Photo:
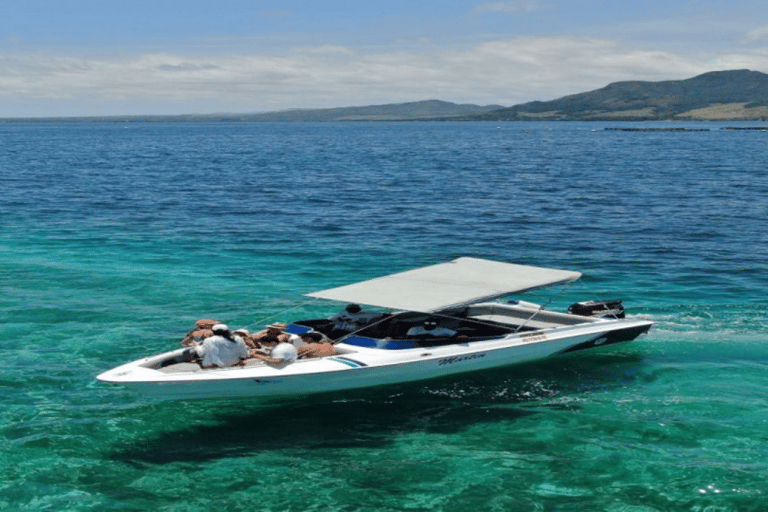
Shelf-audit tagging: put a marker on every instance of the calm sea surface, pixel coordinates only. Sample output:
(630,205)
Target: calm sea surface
(115,237)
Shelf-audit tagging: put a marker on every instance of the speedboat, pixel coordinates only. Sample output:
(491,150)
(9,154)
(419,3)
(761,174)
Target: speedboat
(478,330)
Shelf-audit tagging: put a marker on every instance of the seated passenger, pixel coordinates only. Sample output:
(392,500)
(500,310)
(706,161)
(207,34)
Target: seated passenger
(201,331)
(222,349)
(266,344)
(430,328)
(315,346)
(352,318)
(280,356)
(273,330)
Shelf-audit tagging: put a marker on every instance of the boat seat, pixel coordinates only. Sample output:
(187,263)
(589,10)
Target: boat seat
(540,319)
(180,367)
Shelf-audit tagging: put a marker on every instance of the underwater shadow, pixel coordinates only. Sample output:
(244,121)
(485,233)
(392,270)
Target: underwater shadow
(375,417)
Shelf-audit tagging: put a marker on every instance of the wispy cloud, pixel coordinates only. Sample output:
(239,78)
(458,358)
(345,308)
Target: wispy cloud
(323,50)
(187,66)
(757,35)
(506,71)
(515,7)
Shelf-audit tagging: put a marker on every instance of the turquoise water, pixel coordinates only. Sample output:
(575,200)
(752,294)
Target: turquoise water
(115,237)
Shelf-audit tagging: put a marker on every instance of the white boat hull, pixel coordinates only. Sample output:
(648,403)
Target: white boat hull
(359,367)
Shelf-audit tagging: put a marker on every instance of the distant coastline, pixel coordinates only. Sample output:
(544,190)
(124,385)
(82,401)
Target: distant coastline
(737,95)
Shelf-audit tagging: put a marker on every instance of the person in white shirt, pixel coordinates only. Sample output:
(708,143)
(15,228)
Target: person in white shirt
(430,328)
(222,349)
(280,356)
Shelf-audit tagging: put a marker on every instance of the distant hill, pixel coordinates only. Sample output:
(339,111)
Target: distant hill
(430,109)
(719,95)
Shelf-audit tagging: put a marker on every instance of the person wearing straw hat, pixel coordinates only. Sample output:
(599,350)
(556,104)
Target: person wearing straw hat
(256,340)
(201,331)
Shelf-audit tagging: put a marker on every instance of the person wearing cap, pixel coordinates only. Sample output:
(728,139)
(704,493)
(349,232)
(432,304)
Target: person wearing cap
(351,319)
(430,328)
(222,349)
(242,333)
(315,345)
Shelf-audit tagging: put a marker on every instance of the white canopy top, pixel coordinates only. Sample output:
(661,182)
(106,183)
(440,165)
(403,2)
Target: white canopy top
(455,283)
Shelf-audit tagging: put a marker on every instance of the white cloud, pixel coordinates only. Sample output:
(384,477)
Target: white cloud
(757,35)
(323,50)
(506,71)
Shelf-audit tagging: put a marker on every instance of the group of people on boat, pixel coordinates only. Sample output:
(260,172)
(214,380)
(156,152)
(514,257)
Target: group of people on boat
(213,345)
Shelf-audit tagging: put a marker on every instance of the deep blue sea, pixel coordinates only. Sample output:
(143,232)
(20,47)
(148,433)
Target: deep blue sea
(115,237)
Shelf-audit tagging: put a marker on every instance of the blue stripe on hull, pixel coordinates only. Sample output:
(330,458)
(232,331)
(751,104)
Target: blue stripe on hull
(347,361)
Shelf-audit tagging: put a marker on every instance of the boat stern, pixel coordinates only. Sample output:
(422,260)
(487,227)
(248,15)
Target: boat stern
(624,331)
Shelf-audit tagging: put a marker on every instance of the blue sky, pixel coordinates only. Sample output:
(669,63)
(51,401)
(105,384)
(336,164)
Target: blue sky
(87,57)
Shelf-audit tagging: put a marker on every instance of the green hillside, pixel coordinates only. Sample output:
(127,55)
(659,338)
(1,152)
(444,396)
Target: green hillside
(740,94)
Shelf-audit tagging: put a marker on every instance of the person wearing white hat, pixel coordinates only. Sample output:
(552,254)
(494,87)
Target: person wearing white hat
(222,349)
(242,334)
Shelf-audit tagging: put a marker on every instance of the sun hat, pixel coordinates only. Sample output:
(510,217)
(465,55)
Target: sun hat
(206,323)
